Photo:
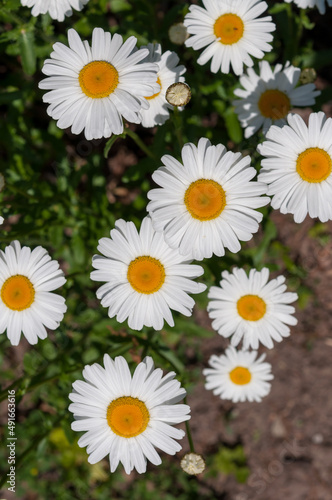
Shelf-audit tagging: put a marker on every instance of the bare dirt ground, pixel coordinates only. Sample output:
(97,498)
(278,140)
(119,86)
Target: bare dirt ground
(288,437)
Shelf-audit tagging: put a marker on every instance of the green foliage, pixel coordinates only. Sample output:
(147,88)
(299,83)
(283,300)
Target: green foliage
(230,461)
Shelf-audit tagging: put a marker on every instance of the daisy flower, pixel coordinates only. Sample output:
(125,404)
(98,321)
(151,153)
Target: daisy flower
(320,4)
(145,278)
(232,32)
(251,308)
(26,304)
(91,89)
(267,98)
(57,9)
(128,416)
(1,219)
(168,74)
(208,203)
(298,166)
(238,375)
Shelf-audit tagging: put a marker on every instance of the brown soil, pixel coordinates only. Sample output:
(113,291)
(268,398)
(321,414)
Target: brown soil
(287,437)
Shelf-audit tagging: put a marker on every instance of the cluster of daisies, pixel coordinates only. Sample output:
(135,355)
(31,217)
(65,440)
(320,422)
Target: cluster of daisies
(92,89)
(203,205)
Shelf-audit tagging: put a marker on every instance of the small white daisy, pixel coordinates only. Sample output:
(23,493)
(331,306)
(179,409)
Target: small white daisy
(128,416)
(208,203)
(239,376)
(320,4)
(251,307)
(145,278)
(168,74)
(26,304)
(91,89)
(1,219)
(267,98)
(57,9)
(232,31)
(298,167)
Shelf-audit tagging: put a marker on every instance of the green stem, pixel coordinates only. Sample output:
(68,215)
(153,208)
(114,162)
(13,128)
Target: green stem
(190,439)
(149,338)
(177,122)
(290,38)
(140,143)
(22,193)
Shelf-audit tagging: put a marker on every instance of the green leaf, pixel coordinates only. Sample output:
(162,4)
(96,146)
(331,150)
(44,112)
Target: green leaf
(169,356)
(233,126)
(27,51)
(270,233)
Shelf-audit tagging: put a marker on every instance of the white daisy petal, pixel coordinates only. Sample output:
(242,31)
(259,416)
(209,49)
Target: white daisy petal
(238,376)
(91,89)
(305,4)
(298,167)
(169,72)
(212,200)
(245,306)
(267,97)
(231,31)
(146,278)
(26,304)
(129,425)
(57,9)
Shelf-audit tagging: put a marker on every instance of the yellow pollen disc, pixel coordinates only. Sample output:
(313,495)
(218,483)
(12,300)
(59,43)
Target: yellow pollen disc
(98,79)
(17,293)
(205,199)
(155,95)
(314,165)
(229,28)
(240,375)
(251,307)
(146,274)
(274,104)
(127,416)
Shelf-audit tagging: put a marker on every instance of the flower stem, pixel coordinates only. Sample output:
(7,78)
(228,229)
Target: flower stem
(139,143)
(177,122)
(190,439)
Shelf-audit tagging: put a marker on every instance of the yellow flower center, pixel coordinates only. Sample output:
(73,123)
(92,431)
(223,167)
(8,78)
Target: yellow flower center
(98,79)
(146,274)
(17,293)
(274,104)
(205,199)
(251,307)
(155,95)
(314,165)
(240,375)
(229,28)
(127,416)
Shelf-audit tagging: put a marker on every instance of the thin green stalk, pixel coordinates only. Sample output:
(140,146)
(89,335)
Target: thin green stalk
(177,122)
(149,338)
(140,143)
(190,439)
(289,52)
(17,190)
